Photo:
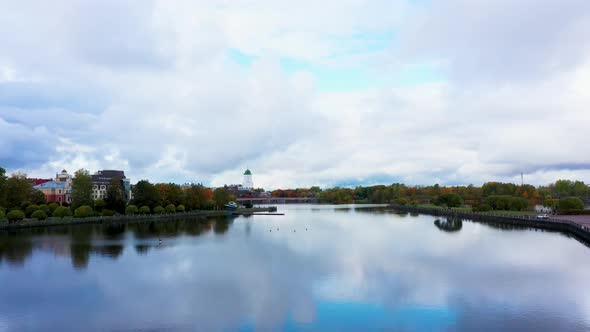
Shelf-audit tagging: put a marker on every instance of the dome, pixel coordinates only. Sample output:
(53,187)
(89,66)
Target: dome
(247,172)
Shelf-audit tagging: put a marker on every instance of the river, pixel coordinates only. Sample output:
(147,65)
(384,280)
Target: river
(317,268)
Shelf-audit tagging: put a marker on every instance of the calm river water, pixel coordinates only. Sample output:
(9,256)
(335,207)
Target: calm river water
(318,268)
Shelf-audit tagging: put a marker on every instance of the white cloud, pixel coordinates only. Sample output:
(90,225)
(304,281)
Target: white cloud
(150,87)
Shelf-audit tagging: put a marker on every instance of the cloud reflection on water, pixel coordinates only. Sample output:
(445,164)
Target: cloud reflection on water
(349,269)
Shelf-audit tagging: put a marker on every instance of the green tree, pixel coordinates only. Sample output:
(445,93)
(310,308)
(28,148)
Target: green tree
(37,197)
(220,197)
(107,213)
(144,209)
(144,193)
(180,208)
(450,200)
(131,209)
(39,214)
(115,199)
(82,189)
(30,209)
(170,208)
(18,190)
(83,211)
(99,205)
(570,204)
(62,212)
(3,179)
(15,215)
(159,210)
(52,207)
(518,204)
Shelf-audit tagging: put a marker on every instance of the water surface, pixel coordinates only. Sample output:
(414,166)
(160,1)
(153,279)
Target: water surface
(318,268)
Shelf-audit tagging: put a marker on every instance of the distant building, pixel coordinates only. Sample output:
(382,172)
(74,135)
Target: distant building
(58,190)
(101,181)
(247,183)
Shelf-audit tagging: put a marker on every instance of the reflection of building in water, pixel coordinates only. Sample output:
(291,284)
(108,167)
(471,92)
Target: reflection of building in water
(58,190)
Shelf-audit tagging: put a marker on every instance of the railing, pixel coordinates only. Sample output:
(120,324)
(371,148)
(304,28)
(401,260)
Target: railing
(498,217)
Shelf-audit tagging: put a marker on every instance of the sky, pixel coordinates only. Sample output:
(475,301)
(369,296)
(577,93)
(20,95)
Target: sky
(329,93)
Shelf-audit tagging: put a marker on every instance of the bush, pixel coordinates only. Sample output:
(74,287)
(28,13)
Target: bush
(158,210)
(107,213)
(61,212)
(131,209)
(180,208)
(44,208)
(144,209)
(449,199)
(401,201)
(15,215)
(83,211)
(30,209)
(52,207)
(170,208)
(39,214)
(570,204)
(499,202)
(2,214)
(518,204)
(481,208)
(99,204)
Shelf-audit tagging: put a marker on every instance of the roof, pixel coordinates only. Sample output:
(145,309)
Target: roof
(247,172)
(50,185)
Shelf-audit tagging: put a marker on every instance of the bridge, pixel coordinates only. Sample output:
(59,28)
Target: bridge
(277,200)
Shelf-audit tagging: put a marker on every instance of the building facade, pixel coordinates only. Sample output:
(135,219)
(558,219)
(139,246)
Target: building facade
(58,190)
(101,181)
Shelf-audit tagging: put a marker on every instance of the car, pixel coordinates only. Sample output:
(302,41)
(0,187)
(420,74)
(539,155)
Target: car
(542,216)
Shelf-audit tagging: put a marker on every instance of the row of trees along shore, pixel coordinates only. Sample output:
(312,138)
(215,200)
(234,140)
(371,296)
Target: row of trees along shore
(563,196)
(18,199)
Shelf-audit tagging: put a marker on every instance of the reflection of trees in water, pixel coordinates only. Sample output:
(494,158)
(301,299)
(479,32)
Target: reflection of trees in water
(80,254)
(15,249)
(142,249)
(449,224)
(221,226)
(81,242)
(115,232)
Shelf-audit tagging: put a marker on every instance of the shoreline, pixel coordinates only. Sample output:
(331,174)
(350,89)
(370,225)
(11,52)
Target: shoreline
(565,226)
(131,219)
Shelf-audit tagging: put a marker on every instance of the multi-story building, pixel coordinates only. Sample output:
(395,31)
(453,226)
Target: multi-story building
(58,190)
(101,181)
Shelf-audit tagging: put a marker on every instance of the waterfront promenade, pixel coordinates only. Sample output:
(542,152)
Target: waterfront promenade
(131,219)
(577,225)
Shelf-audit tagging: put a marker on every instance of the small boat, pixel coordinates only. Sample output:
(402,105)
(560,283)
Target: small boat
(231,206)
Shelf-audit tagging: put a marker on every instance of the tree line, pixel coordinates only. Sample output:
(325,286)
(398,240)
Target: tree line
(18,199)
(563,195)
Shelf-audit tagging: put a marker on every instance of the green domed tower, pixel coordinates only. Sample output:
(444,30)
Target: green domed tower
(248,184)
